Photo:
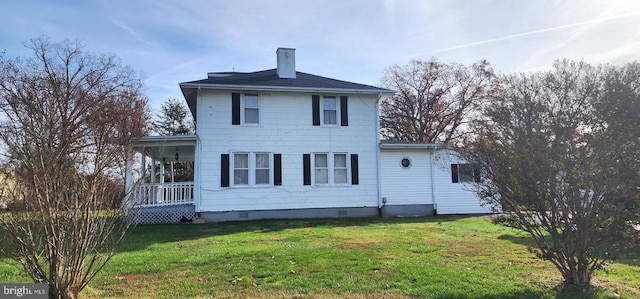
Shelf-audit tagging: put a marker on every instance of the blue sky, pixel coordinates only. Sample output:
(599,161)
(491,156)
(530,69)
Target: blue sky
(172,41)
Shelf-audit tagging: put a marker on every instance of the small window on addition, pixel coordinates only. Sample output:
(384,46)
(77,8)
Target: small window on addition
(405,162)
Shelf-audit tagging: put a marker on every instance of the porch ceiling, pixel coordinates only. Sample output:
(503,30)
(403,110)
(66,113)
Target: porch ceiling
(168,147)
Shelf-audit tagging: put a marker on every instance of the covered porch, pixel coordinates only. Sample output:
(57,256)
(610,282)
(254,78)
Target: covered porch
(160,179)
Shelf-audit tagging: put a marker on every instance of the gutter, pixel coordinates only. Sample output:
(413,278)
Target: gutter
(412,146)
(284,88)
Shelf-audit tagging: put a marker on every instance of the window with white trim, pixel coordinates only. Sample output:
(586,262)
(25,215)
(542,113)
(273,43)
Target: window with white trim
(252,169)
(262,169)
(329,110)
(330,169)
(321,169)
(241,169)
(464,173)
(340,169)
(251,109)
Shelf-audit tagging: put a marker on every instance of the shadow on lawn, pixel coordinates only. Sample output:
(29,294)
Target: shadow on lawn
(558,292)
(142,236)
(630,256)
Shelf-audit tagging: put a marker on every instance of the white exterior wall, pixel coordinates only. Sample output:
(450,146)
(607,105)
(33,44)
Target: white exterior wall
(285,128)
(405,186)
(453,198)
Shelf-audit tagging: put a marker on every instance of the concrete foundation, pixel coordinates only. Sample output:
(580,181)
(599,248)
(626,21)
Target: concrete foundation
(407,210)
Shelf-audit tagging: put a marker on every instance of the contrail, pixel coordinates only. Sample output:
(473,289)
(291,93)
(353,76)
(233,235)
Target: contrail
(492,40)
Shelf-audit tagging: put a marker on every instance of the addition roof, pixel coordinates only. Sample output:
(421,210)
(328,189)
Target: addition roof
(268,80)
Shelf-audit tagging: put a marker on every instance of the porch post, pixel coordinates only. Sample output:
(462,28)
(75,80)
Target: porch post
(128,175)
(152,179)
(161,172)
(128,179)
(144,167)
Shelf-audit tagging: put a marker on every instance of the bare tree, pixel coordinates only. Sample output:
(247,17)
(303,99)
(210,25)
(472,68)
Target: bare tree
(551,154)
(69,117)
(433,101)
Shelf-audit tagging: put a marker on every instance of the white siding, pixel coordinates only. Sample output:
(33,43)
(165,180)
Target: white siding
(285,128)
(453,198)
(405,186)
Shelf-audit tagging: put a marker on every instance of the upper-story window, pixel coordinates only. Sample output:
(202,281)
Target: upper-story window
(329,110)
(251,108)
(245,109)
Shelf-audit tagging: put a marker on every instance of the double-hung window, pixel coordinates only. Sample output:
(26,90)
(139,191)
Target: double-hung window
(340,169)
(262,169)
(251,169)
(251,108)
(330,169)
(245,110)
(241,169)
(321,172)
(246,169)
(329,110)
(464,173)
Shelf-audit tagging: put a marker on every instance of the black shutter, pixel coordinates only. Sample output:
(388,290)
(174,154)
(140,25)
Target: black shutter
(277,169)
(355,180)
(224,170)
(235,108)
(344,113)
(306,167)
(454,173)
(315,100)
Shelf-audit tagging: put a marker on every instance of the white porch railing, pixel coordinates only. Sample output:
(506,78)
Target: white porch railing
(163,194)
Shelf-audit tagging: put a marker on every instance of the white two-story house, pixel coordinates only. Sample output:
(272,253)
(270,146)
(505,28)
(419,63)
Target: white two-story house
(280,143)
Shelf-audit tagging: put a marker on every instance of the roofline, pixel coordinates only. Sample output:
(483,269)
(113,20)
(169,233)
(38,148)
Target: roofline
(412,146)
(171,140)
(285,88)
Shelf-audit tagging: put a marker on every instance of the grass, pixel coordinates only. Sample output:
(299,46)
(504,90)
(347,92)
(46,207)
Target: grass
(440,257)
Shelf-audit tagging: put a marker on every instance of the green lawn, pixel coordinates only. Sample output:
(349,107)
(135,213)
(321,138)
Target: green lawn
(438,257)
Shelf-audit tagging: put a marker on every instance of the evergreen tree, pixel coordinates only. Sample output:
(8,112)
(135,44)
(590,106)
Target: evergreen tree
(175,119)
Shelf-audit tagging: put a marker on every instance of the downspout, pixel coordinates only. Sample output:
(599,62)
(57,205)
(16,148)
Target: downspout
(197,196)
(378,170)
(433,185)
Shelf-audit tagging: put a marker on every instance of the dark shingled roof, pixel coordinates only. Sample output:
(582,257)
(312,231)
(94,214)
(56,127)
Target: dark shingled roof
(269,78)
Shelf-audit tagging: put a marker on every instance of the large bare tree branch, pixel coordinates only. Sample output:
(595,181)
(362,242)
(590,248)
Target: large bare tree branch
(433,101)
(68,119)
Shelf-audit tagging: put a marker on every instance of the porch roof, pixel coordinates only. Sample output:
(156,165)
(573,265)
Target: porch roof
(168,148)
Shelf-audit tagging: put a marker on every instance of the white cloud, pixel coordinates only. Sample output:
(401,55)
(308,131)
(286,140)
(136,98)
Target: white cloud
(175,41)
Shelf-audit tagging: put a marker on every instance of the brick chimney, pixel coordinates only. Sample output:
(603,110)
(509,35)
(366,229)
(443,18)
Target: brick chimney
(286,63)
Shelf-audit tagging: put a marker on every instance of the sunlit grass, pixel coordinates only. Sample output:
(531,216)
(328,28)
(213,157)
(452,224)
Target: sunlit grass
(441,257)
